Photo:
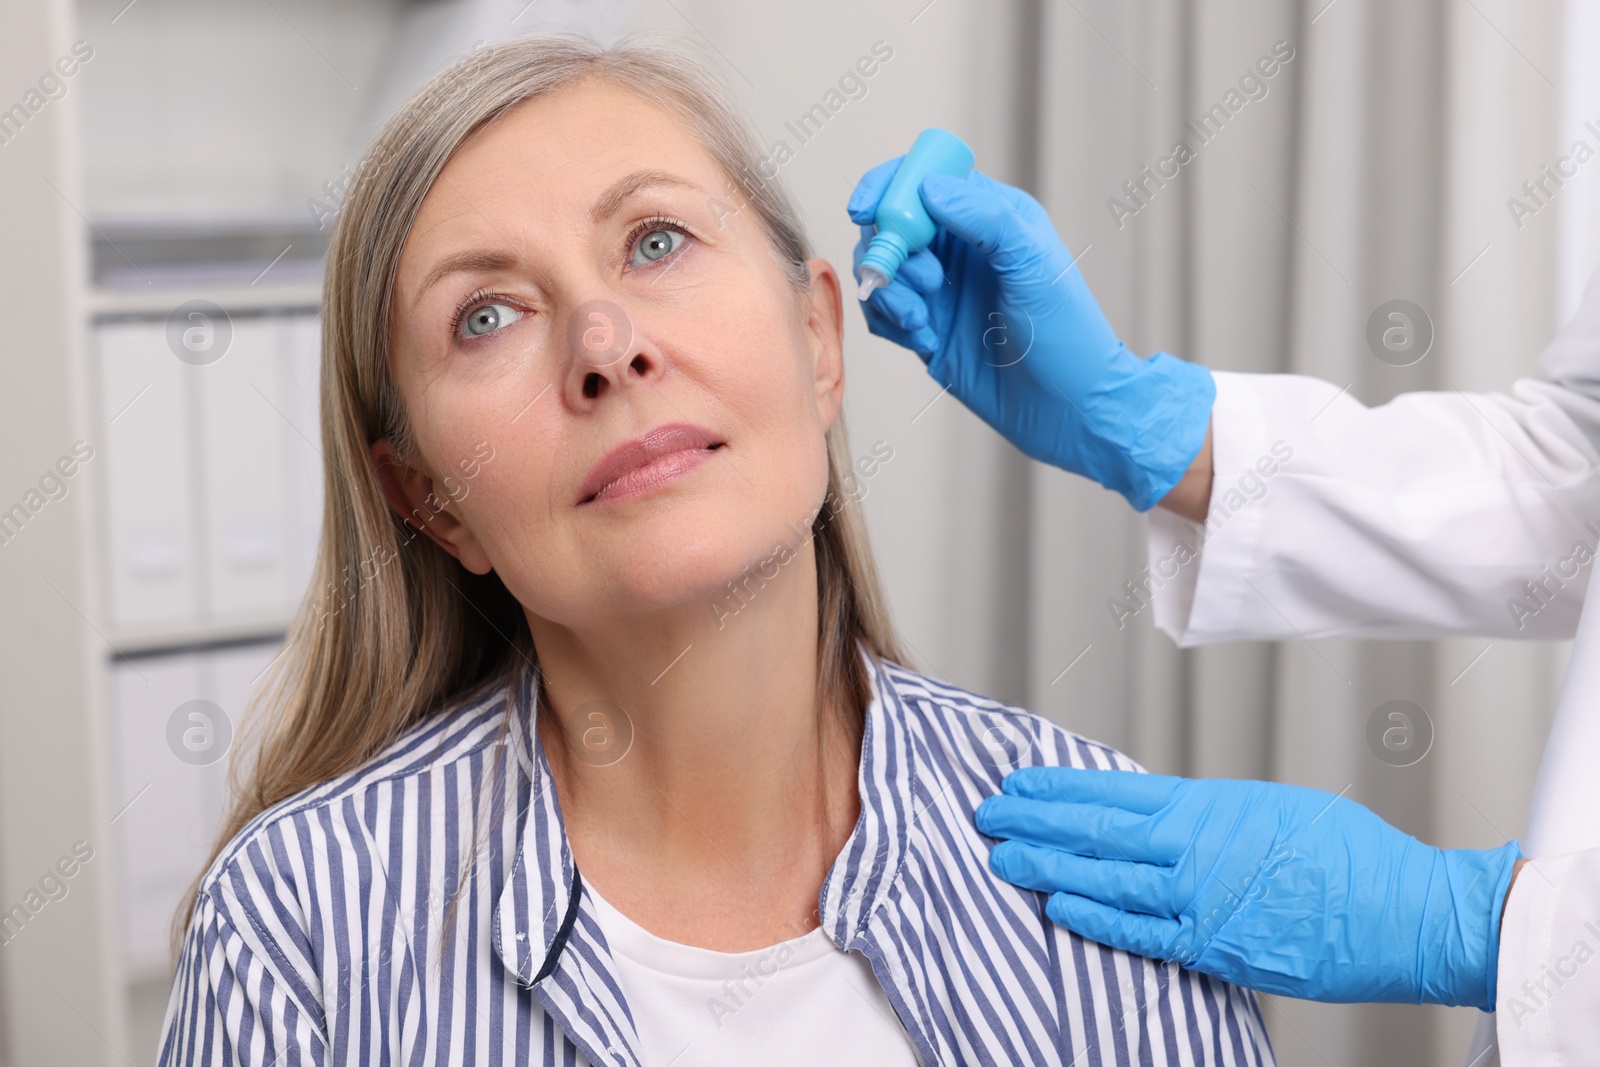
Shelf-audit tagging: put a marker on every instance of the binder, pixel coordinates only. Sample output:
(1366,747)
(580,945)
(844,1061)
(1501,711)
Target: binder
(239,409)
(303,448)
(150,515)
(159,803)
(168,811)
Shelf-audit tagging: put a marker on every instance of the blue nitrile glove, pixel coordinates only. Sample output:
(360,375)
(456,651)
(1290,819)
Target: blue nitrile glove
(1274,887)
(1001,315)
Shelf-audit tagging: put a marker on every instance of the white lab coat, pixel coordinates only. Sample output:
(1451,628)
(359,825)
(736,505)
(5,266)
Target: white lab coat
(1430,516)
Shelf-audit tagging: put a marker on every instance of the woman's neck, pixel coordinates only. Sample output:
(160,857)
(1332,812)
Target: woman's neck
(716,821)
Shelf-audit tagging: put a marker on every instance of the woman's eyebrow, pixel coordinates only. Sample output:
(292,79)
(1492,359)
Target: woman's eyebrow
(610,202)
(481,261)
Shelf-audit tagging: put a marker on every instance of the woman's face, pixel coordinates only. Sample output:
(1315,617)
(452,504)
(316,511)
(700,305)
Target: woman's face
(581,277)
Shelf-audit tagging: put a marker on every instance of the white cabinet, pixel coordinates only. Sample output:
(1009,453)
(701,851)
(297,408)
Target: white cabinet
(212,491)
(214,479)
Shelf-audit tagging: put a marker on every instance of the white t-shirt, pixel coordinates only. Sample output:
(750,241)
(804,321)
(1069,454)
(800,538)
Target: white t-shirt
(797,1002)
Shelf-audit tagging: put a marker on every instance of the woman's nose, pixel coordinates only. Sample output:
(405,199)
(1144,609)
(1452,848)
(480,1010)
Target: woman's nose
(606,351)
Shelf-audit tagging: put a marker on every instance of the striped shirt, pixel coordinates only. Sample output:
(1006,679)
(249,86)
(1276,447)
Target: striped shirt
(324,932)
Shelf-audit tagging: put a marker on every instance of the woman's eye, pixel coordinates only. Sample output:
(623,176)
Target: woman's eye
(487,318)
(655,245)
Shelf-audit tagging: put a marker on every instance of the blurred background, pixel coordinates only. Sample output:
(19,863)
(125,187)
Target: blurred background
(169,173)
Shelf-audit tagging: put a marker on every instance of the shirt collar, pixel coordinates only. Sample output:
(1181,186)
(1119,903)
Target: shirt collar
(541,915)
(868,866)
(541,910)
(541,885)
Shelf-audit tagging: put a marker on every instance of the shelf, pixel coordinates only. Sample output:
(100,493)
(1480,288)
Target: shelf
(154,642)
(246,262)
(159,301)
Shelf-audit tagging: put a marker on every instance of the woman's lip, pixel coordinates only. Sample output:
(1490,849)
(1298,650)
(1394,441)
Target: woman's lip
(640,452)
(659,471)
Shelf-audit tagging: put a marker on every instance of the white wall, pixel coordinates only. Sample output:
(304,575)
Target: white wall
(61,1001)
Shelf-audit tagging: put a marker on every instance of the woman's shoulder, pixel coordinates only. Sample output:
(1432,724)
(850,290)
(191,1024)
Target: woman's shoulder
(451,738)
(991,736)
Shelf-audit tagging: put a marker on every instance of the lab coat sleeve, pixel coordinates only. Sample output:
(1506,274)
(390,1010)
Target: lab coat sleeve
(234,1002)
(1436,514)
(1547,989)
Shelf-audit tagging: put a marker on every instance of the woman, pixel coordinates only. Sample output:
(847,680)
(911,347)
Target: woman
(577,347)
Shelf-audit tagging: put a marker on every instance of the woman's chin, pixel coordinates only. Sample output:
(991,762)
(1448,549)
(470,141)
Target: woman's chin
(685,579)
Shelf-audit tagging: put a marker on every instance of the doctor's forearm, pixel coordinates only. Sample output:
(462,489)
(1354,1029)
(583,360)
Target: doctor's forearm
(1191,497)
(1386,521)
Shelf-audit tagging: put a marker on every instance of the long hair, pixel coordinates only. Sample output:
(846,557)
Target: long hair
(393,629)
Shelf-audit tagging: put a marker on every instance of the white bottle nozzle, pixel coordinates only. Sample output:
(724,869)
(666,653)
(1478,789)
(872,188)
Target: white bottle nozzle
(870,279)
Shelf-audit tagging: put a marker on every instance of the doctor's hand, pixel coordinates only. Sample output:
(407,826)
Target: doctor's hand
(999,312)
(1274,887)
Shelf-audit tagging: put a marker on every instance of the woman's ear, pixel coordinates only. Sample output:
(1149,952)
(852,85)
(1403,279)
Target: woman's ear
(413,495)
(825,329)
